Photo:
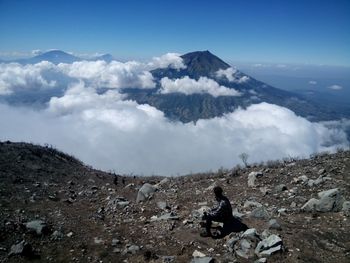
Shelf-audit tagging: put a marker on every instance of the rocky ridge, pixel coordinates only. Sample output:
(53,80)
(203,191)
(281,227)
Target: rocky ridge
(53,208)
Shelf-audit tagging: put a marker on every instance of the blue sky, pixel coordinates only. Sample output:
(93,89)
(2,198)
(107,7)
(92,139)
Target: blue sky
(308,31)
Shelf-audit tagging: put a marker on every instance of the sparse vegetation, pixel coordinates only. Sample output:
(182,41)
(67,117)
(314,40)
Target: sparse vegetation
(244,158)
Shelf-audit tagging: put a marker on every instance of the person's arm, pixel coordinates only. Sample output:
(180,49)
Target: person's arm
(217,210)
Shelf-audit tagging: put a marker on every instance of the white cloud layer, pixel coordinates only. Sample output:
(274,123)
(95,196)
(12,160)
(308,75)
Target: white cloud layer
(230,74)
(189,86)
(110,133)
(312,82)
(335,87)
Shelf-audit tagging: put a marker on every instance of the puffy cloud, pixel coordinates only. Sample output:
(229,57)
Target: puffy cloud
(98,74)
(312,82)
(14,76)
(230,74)
(172,60)
(36,52)
(188,86)
(108,132)
(335,87)
(115,74)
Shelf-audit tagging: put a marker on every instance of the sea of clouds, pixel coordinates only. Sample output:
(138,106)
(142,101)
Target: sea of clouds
(109,132)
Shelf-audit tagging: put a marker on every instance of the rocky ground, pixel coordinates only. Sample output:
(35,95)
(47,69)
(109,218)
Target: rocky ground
(53,208)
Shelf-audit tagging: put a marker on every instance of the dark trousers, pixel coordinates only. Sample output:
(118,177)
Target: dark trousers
(230,224)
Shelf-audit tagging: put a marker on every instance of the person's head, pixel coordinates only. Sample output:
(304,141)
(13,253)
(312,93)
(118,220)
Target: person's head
(218,192)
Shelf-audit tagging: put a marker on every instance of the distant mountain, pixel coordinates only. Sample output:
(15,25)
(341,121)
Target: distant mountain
(106,57)
(187,108)
(59,56)
(53,56)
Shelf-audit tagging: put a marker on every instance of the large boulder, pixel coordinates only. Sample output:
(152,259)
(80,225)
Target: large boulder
(145,192)
(269,245)
(329,201)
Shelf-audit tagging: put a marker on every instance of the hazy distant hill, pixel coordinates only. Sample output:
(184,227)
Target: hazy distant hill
(59,56)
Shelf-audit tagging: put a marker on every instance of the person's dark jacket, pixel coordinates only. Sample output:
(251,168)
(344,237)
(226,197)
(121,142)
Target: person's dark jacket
(223,211)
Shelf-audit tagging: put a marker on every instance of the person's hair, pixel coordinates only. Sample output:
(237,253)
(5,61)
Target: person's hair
(217,191)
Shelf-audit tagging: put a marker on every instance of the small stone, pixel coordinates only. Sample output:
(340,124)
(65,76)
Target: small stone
(202,260)
(133,249)
(251,234)
(70,234)
(273,224)
(162,205)
(98,240)
(22,248)
(249,204)
(37,226)
(260,213)
(280,188)
(115,242)
(198,254)
(168,259)
(57,235)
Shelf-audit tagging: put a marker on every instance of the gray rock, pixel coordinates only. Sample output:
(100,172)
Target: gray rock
(264,190)
(57,235)
(22,248)
(321,171)
(329,193)
(168,259)
(346,208)
(301,179)
(244,248)
(252,177)
(280,188)
(163,183)
(167,216)
(200,212)
(133,249)
(162,205)
(115,242)
(249,204)
(310,205)
(273,224)
(261,260)
(117,203)
(38,227)
(260,213)
(145,192)
(231,243)
(236,213)
(330,201)
(202,260)
(251,234)
(269,246)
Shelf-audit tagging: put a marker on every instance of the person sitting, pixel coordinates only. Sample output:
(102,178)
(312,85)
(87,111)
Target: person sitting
(221,213)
